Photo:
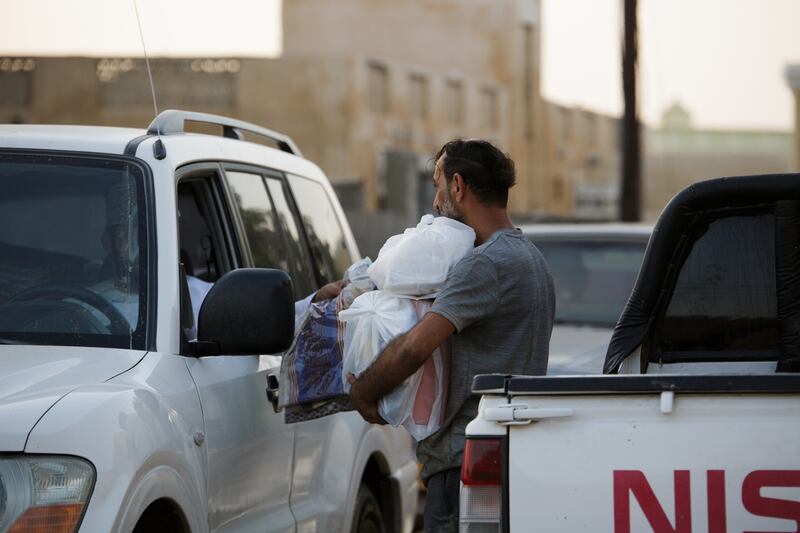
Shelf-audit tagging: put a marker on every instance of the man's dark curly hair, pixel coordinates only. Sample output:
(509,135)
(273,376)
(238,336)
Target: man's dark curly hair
(488,172)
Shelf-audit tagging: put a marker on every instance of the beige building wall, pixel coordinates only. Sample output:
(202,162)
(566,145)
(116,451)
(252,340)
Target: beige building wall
(490,49)
(793,78)
(359,81)
(677,155)
(581,163)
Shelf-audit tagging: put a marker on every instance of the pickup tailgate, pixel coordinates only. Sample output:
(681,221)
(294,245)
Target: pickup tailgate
(653,453)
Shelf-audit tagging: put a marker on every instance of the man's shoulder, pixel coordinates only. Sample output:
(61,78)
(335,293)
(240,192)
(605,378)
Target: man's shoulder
(506,245)
(476,258)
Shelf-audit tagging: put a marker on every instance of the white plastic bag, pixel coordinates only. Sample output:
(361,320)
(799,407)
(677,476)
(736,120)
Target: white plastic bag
(416,263)
(418,403)
(358,282)
(373,321)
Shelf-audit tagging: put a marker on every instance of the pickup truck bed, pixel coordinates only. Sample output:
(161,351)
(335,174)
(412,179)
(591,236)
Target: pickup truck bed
(699,430)
(662,453)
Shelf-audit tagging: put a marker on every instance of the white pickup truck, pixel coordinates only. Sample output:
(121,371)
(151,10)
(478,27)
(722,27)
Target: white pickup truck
(699,430)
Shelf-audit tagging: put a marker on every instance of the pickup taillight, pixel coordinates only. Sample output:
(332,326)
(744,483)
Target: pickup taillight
(481,500)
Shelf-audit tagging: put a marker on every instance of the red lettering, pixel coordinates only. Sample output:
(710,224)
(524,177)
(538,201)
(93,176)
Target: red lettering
(634,481)
(760,505)
(715,485)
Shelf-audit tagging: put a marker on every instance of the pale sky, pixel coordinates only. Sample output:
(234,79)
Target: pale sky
(101,28)
(723,59)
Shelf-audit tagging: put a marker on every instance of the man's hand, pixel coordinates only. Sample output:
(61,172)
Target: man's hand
(331,290)
(367,410)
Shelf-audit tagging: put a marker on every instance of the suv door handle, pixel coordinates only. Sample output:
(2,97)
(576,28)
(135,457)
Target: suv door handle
(273,390)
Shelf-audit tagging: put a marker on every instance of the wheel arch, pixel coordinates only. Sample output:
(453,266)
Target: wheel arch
(162,511)
(161,489)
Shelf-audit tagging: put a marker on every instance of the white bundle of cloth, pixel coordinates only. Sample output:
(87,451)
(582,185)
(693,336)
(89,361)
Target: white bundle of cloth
(411,268)
(416,262)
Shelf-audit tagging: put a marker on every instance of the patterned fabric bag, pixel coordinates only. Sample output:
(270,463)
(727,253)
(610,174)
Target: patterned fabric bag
(311,369)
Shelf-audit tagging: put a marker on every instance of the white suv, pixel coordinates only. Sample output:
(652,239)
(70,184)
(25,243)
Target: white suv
(113,417)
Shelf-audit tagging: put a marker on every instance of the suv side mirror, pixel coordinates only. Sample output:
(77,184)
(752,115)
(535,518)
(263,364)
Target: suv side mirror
(249,311)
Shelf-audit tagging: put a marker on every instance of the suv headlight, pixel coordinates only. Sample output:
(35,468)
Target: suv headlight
(43,494)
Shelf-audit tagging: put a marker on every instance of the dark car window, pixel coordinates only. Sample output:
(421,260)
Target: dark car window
(593,278)
(205,253)
(73,251)
(258,216)
(199,245)
(299,260)
(724,298)
(323,229)
(271,229)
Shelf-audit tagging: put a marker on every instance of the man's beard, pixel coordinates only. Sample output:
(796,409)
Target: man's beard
(447,209)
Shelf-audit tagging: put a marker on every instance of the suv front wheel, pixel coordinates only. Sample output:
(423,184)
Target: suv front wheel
(367,517)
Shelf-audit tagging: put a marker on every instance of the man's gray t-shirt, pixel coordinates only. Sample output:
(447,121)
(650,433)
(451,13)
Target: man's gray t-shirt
(500,299)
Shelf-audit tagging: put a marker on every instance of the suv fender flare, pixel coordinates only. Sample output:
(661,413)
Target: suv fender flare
(161,482)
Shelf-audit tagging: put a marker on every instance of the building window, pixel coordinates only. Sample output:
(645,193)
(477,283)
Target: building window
(378,87)
(591,128)
(193,83)
(558,188)
(16,80)
(566,124)
(490,115)
(528,90)
(418,96)
(454,104)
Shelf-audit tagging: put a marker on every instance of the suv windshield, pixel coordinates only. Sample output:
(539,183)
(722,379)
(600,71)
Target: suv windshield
(592,278)
(72,253)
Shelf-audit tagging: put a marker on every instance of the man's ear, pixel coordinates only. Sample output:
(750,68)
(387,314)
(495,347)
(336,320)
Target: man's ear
(459,187)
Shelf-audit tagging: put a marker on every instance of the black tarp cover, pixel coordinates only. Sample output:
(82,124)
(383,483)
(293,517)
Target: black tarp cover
(675,232)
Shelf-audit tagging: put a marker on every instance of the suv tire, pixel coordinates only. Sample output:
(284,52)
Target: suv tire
(367,517)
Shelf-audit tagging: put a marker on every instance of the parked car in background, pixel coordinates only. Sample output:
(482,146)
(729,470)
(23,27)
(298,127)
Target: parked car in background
(594,268)
(112,418)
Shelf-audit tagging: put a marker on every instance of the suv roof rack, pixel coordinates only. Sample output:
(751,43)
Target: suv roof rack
(172,121)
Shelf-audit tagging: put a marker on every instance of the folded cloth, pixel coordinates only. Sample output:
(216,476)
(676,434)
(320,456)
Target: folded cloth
(311,411)
(311,370)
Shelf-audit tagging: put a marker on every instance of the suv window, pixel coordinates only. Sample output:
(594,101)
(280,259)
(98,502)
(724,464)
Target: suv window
(724,299)
(205,252)
(271,228)
(73,251)
(299,261)
(258,217)
(199,243)
(325,234)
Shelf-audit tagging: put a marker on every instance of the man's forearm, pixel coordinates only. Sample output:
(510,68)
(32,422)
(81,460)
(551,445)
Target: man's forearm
(397,362)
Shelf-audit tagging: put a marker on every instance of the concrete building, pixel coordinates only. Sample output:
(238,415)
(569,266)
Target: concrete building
(677,154)
(581,164)
(369,89)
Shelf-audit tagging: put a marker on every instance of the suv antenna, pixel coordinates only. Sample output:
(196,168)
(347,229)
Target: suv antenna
(159,151)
